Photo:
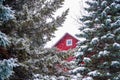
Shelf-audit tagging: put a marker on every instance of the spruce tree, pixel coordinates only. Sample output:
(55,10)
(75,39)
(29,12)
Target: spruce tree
(34,24)
(35,19)
(6,64)
(100,51)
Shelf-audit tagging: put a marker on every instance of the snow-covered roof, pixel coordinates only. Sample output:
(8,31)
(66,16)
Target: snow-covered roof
(64,36)
(56,39)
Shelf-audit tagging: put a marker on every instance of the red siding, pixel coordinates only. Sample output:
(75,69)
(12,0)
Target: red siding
(61,45)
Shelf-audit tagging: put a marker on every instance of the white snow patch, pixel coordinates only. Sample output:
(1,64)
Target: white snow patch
(94,41)
(104,3)
(78,69)
(86,60)
(78,54)
(116,45)
(94,73)
(115,62)
(103,53)
(84,47)
(88,78)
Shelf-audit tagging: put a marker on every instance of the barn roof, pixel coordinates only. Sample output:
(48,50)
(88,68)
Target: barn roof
(63,37)
(55,40)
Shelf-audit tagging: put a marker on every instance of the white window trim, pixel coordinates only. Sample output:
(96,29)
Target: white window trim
(68,41)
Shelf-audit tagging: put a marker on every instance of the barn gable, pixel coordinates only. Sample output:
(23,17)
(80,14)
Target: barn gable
(66,42)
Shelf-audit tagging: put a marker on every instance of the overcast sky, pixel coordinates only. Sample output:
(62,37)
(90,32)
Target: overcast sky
(70,25)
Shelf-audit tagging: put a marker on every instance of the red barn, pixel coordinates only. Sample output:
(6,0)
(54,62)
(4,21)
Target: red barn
(66,42)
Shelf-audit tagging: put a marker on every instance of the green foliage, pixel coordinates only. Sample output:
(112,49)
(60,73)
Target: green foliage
(6,68)
(35,19)
(21,73)
(100,50)
(33,26)
(44,61)
(5,12)
(4,42)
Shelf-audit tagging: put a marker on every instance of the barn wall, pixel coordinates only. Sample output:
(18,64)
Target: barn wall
(62,43)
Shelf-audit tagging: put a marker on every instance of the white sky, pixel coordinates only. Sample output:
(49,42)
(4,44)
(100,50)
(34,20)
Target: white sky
(70,25)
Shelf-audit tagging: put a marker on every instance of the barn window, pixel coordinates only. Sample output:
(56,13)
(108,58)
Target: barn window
(69,42)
